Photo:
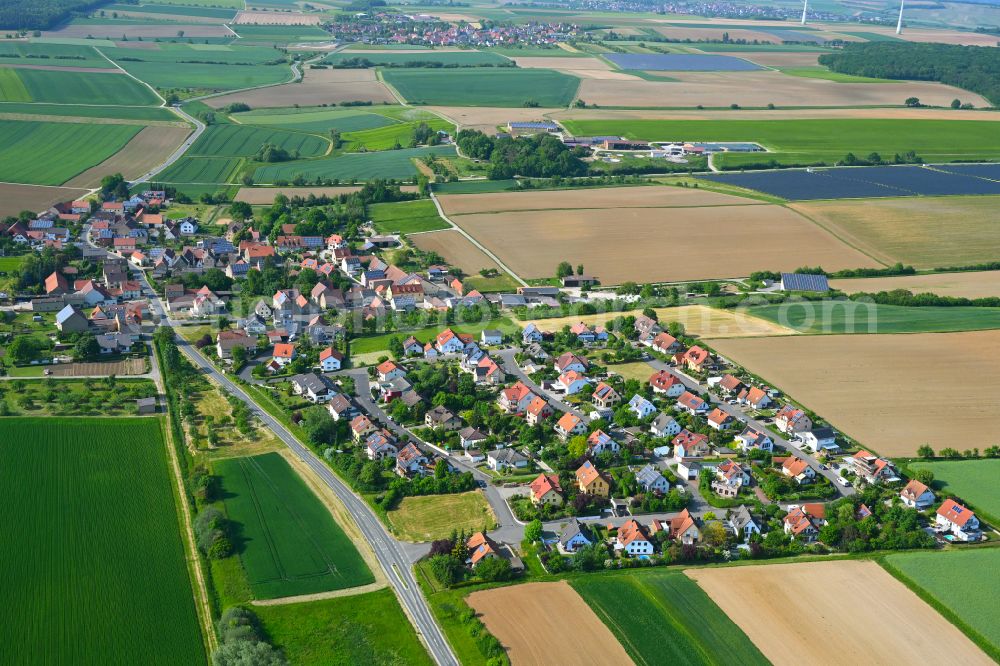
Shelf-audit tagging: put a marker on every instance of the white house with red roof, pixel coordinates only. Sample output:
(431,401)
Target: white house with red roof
(515,399)
(448,342)
(571,382)
(665,343)
(873,469)
(666,384)
(959,520)
(571,362)
(689,444)
(600,441)
(283,354)
(330,360)
(691,403)
(751,438)
(719,420)
(803,522)
(389,370)
(754,398)
(545,489)
(791,419)
(538,410)
(633,538)
(569,425)
(798,469)
(917,495)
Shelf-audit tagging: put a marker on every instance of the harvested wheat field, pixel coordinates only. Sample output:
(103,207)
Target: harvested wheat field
(486,119)
(760,88)
(877,388)
(698,320)
(660,244)
(535,621)
(603,197)
(921,231)
(276,18)
(768,114)
(456,250)
(320,86)
(568,63)
(842,612)
(14,198)
(147,149)
(977,284)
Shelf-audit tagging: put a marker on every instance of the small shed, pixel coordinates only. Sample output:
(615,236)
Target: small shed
(146,405)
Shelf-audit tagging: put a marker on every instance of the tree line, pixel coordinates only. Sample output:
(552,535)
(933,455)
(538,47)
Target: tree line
(970,67)
(41,14)
(540,156)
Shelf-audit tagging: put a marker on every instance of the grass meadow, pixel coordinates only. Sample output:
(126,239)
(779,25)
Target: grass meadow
(431,517)
(813,140)
(386,138)
(962,585)
(42,85)
(287,541)
(406,217)
(975,481)
(361,629)
(474,87)
(91,545)
(856,317)
(664,617)
(43,153)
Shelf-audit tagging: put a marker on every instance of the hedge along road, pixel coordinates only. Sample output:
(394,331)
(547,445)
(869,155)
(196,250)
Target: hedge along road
(387,549)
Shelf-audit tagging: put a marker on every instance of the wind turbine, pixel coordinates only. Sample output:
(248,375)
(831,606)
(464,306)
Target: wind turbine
(805,5)
(899,23)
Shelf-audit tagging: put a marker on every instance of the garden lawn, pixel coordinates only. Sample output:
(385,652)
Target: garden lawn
(963,585)
(406,217)
(857,317)
(96,566)
(432,517)
(73,87)
(41,153)
(362,629)
(816,139)
(377,343)
(287,540)
(475,87)
(664,617)
(975,481)
(387,164)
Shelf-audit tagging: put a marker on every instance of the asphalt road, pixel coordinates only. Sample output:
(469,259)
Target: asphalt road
(177,154)
(389,552)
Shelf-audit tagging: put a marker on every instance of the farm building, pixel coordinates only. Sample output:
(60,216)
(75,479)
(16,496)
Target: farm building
(804,282)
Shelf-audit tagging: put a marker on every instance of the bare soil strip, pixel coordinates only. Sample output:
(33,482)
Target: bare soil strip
(320,86)
(840,612)
(547,623)
(892,393)
(456,250)
(14,198)
(147,149)
(978,284)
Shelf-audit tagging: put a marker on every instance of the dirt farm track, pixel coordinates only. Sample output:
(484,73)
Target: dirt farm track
(535,621)
(841,612)
(891,392)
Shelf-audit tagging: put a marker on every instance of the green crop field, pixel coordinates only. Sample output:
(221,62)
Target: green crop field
(207,76)
(289,542)
(244,141)
(406,217)
(975,481)
(172,10)
(473,87)
(824,73)
(84,111)
(281,33)
(963,584)
(201,170)
(362,629)
(452,58)
(355,166)
(41,85)
(96,568)
(857,317)
(319,121)
(40,153)
(664,617)
(814,140)
(235,4)
(51,55)
(385,138)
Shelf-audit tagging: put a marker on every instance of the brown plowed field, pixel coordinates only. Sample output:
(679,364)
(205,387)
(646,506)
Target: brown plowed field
(921,231)
(36,198)
(659,244)
(320,86)
(715,89)
(977,284)
(456,250)
(610,197)
(150,147)
(545,624)
(843,612)
(893,393)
